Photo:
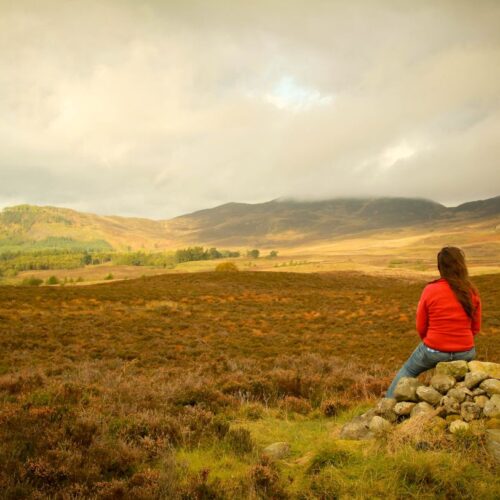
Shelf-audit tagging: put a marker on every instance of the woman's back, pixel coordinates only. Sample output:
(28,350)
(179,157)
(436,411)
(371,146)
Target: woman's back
(442,322)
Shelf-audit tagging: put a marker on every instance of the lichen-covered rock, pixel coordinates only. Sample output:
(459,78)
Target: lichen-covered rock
(456,369)
(492,369)
(493,442)
(478,392)
(450,405)
(358,427)
(385,409)
(473,379)
(429,394)
(406,389)
(403,408)
(421,408)
(481,401)
(491,386)
(457,393)
(442,382)
(470,411)
(457,426)
(379,425)
(277,450)
(492,407)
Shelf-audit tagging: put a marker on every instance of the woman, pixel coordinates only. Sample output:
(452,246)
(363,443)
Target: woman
(448,318)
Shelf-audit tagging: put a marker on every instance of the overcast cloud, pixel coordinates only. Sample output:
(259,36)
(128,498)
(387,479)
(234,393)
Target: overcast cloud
(158,108)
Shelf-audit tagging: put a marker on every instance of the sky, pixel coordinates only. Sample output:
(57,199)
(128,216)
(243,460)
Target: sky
(159,108)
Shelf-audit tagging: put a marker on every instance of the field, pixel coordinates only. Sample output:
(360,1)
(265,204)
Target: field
(404,252)
(170,386)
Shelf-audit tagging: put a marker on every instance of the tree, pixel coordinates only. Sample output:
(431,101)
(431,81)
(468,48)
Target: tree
(273,254)
(253,254)
(86,259)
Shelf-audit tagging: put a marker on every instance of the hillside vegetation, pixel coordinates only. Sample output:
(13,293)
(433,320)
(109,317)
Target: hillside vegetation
(171,387)
(288,223)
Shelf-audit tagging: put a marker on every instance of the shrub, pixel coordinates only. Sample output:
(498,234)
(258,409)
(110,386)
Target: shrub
(220,426)
(53,280)
(297,405)
(266,479)
(331,407)
(239,440)
(109,277)
(253,411)
(227,267)
(32,281)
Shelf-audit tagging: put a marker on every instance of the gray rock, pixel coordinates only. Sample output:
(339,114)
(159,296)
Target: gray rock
(358,427)
(457,426)
(473,379)
(450,405)
(385,409)
(456,369)
(457,393)
(492,407)
(429,394)
(379,425)
(492,369)
(491,386)
(421,408)
(368,415)
(493,443)
(403,408)
(442,382)
(277,450)
(481,401)
(470,411)
(478,392)
(406,389)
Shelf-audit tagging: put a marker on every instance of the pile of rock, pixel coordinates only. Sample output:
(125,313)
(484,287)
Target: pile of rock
(458,394)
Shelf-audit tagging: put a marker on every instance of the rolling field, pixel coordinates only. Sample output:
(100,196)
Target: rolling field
(170,386)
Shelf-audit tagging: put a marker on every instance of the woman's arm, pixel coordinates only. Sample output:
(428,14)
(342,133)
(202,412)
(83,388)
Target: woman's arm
(422,321)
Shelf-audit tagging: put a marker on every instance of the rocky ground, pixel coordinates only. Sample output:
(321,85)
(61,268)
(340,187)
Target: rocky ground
(460,396)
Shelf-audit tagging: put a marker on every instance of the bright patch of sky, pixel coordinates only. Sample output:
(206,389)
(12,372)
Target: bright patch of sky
(392,155)
(288,94)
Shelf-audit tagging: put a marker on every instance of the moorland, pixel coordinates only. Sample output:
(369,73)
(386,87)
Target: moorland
(389,236)
(171,386)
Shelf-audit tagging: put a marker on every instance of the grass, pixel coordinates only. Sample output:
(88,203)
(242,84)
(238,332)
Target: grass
(170,387)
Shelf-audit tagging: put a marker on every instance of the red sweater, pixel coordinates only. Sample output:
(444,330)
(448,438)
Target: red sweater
(442,322)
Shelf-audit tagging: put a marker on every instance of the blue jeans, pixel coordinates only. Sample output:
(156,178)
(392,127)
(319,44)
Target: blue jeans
(423,359)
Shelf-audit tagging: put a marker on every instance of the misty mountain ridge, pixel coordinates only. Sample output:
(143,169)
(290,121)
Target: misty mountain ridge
(279,222)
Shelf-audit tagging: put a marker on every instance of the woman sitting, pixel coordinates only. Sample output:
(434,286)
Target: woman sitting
(448,318)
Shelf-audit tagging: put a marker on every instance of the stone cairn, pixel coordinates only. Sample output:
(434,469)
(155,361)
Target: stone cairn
(459,393)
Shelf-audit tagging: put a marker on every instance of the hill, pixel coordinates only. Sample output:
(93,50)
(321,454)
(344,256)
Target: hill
(280,222)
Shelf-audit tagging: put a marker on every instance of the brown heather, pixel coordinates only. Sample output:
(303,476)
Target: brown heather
(101,385)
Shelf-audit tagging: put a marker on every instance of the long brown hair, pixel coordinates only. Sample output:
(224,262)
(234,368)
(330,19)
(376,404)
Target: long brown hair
(452,267)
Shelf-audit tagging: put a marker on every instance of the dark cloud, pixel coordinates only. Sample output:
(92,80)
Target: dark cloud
(159,108)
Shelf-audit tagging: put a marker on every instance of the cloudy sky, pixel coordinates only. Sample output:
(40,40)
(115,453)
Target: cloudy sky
(158,108)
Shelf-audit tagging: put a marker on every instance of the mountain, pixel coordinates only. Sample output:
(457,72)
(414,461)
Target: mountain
(280,222)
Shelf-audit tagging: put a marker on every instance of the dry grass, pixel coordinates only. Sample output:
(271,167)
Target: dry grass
(101,386)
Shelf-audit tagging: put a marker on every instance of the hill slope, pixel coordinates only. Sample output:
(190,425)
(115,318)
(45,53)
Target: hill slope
(281,222)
